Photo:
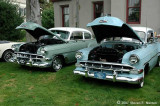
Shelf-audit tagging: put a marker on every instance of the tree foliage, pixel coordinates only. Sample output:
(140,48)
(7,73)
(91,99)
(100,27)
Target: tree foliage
(9,20)
(48,17)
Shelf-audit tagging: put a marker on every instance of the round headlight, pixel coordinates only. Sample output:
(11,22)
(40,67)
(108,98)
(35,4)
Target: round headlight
(43,51)
(79,55)
(134,59)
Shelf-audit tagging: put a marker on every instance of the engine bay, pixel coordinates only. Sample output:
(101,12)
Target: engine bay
(32,47)
(111,52)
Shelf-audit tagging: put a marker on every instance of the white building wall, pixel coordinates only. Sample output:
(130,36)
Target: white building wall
(150,12)
(150,15)
(58,12)
(85,12)
(118,9)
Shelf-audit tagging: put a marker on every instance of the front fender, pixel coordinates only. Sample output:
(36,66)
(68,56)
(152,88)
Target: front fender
(140,64)
(85,53)
(146,55)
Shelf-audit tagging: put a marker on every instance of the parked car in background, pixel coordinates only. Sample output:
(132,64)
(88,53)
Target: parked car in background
(71,33)
(6,50)
(53,48)
(125,54)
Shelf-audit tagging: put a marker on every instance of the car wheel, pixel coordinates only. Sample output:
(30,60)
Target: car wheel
(146,69)
(7,55)
(158,63)
(57,64)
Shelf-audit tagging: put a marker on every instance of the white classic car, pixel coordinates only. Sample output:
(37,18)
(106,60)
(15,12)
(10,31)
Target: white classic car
(5,50)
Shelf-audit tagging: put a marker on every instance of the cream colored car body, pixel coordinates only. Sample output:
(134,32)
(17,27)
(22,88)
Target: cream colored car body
(6,45)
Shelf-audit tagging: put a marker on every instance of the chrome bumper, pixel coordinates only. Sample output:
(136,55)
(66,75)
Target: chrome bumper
(31,60)
(109,71)
(113,78)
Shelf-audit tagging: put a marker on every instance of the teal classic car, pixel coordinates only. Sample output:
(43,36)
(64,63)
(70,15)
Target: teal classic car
(53,48)
(125,54)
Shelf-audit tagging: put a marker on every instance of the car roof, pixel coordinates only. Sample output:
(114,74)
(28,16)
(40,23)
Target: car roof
(144,29)
(70,29)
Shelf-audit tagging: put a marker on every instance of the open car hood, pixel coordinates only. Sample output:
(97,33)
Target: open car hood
(106,27)
(36,30)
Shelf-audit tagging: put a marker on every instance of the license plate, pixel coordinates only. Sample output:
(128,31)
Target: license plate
(99,75)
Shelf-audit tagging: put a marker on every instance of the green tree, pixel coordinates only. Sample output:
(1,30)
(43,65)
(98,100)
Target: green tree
(48,17)
(9,20)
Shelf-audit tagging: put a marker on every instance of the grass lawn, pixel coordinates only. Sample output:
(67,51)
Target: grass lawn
(33,86)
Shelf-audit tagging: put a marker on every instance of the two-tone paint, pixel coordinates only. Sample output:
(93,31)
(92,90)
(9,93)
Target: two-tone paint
(46,55)
(147,51)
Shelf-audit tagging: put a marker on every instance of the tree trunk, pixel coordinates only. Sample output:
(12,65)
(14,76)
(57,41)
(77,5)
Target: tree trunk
(32,15)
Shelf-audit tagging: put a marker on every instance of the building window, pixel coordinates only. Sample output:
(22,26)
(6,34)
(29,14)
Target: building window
(65,16)
(98,9)
(133,11)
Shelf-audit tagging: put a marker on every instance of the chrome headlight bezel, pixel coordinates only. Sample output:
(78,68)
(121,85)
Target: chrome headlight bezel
(78,55)
(133,59)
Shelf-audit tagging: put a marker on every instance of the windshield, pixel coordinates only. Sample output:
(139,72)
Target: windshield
(62,34)
(141,35)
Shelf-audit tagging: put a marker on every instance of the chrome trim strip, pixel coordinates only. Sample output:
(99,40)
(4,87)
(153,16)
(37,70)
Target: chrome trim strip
(28,54)
(110,69)
(107,63)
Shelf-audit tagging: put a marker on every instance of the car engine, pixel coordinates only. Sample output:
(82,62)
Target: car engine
(113,54)
(32,47)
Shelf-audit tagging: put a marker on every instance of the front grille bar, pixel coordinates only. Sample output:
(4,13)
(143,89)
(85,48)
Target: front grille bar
(28,55)
(106,66)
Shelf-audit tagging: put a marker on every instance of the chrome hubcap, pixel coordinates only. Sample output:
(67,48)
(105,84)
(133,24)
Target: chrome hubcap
(57,64)
(7,56)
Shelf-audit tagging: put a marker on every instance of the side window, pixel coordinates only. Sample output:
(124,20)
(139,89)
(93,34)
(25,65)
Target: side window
(76,36)
(87,36)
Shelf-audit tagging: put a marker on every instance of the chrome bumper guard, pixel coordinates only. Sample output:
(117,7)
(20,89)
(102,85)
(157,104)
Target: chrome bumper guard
(105,66)
(29,59)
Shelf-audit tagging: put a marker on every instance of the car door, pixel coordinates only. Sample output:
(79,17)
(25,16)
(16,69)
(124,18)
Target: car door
(76,44)
(152,48)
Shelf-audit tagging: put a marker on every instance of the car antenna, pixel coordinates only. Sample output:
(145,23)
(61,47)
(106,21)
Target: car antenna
(146,23)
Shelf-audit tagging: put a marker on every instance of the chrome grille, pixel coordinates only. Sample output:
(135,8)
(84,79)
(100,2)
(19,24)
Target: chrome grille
(28,55)
(104,66)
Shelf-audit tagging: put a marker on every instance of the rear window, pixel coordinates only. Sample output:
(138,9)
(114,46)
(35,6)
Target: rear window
(76,36)
(87,36)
